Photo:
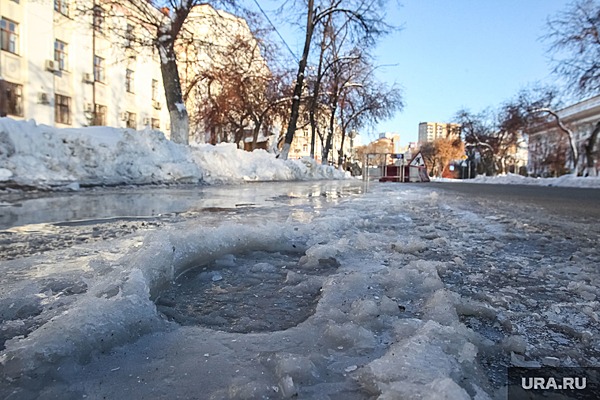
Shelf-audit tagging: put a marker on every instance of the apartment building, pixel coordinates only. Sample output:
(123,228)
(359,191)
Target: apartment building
(300,146)
(429,131)
(65,68)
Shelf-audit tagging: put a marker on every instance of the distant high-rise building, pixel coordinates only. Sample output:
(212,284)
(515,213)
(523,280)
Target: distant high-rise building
(429,131)
(395,138)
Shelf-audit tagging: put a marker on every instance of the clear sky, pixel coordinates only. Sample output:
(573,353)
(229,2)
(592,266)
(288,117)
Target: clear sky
(457,54)
(454,54)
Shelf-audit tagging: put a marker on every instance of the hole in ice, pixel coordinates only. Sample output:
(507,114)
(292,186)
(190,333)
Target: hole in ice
(252,292)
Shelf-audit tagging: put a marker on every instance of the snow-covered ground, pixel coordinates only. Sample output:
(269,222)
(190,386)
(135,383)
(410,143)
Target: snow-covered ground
(514,179)
(386,291)
(320,290)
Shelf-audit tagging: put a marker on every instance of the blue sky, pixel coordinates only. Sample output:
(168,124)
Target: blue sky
(458,54)
(463,54)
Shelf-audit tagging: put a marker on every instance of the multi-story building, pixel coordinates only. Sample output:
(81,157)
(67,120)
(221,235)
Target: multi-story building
(395,138)
(68,69)
(429,131)
(301,146)
(548,146)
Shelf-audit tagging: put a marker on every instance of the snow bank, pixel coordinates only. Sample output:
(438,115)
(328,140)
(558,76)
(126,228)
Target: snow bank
(44,156)
(514,179)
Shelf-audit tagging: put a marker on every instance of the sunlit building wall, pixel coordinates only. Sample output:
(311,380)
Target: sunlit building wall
(68,69)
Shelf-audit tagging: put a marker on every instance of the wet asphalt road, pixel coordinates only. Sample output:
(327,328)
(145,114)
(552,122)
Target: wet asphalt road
(578,204)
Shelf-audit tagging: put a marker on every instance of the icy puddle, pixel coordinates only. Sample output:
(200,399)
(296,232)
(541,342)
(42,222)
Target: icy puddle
(394,294)
(254,292)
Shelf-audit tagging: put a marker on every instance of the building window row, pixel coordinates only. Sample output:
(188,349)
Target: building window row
(129,75)
(99,115)
(62,109)
(11,101)
(98,18)
(99,69)
(131,121)
(9,37)
(60,54)
(62,6)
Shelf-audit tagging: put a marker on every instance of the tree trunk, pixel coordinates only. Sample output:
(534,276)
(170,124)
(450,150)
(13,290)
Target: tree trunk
(341,152)
(291,129)
(329,139)
(589,151)
(180,124)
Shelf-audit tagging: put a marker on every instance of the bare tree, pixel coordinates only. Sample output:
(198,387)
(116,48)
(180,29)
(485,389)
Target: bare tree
(160,25)
(478,131)
(534,107)
(364,104)
(574,36)
(439,153)
(363,16)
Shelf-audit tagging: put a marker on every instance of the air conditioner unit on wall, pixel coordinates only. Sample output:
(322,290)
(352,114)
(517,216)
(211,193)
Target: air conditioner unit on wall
(43,98)
(146,121)
(157,105)
(88,107)
(88,78)
(51,65)
(124,116)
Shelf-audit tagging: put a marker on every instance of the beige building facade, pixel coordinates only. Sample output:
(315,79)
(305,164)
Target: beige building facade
(67,69)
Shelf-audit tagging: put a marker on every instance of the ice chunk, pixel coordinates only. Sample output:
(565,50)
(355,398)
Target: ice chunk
(287,386)
(440,307)
(263,267)
(417,279)
(515,344)
(434,356)
(349,335)
(225,261)
(300,368)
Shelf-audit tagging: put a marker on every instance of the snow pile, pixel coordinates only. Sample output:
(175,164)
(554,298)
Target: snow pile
(515,179)
(224,163)
(44,156)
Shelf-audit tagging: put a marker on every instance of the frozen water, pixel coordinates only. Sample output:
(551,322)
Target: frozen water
(388,294)
(253,293)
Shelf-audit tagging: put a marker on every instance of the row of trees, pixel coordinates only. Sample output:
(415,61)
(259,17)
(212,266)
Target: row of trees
(238,84)
(493,135)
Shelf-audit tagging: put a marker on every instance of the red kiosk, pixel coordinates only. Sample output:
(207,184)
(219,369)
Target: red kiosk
(391,167)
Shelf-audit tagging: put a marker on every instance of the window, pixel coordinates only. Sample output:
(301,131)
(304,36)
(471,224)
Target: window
(12,101)
(154,89)
(129,81)
(156,123)
(98,69)
(98,18)
(129,35)
(62,109)
(60,54)
(99,115)
(8,35)
(62,6)
(131,120)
